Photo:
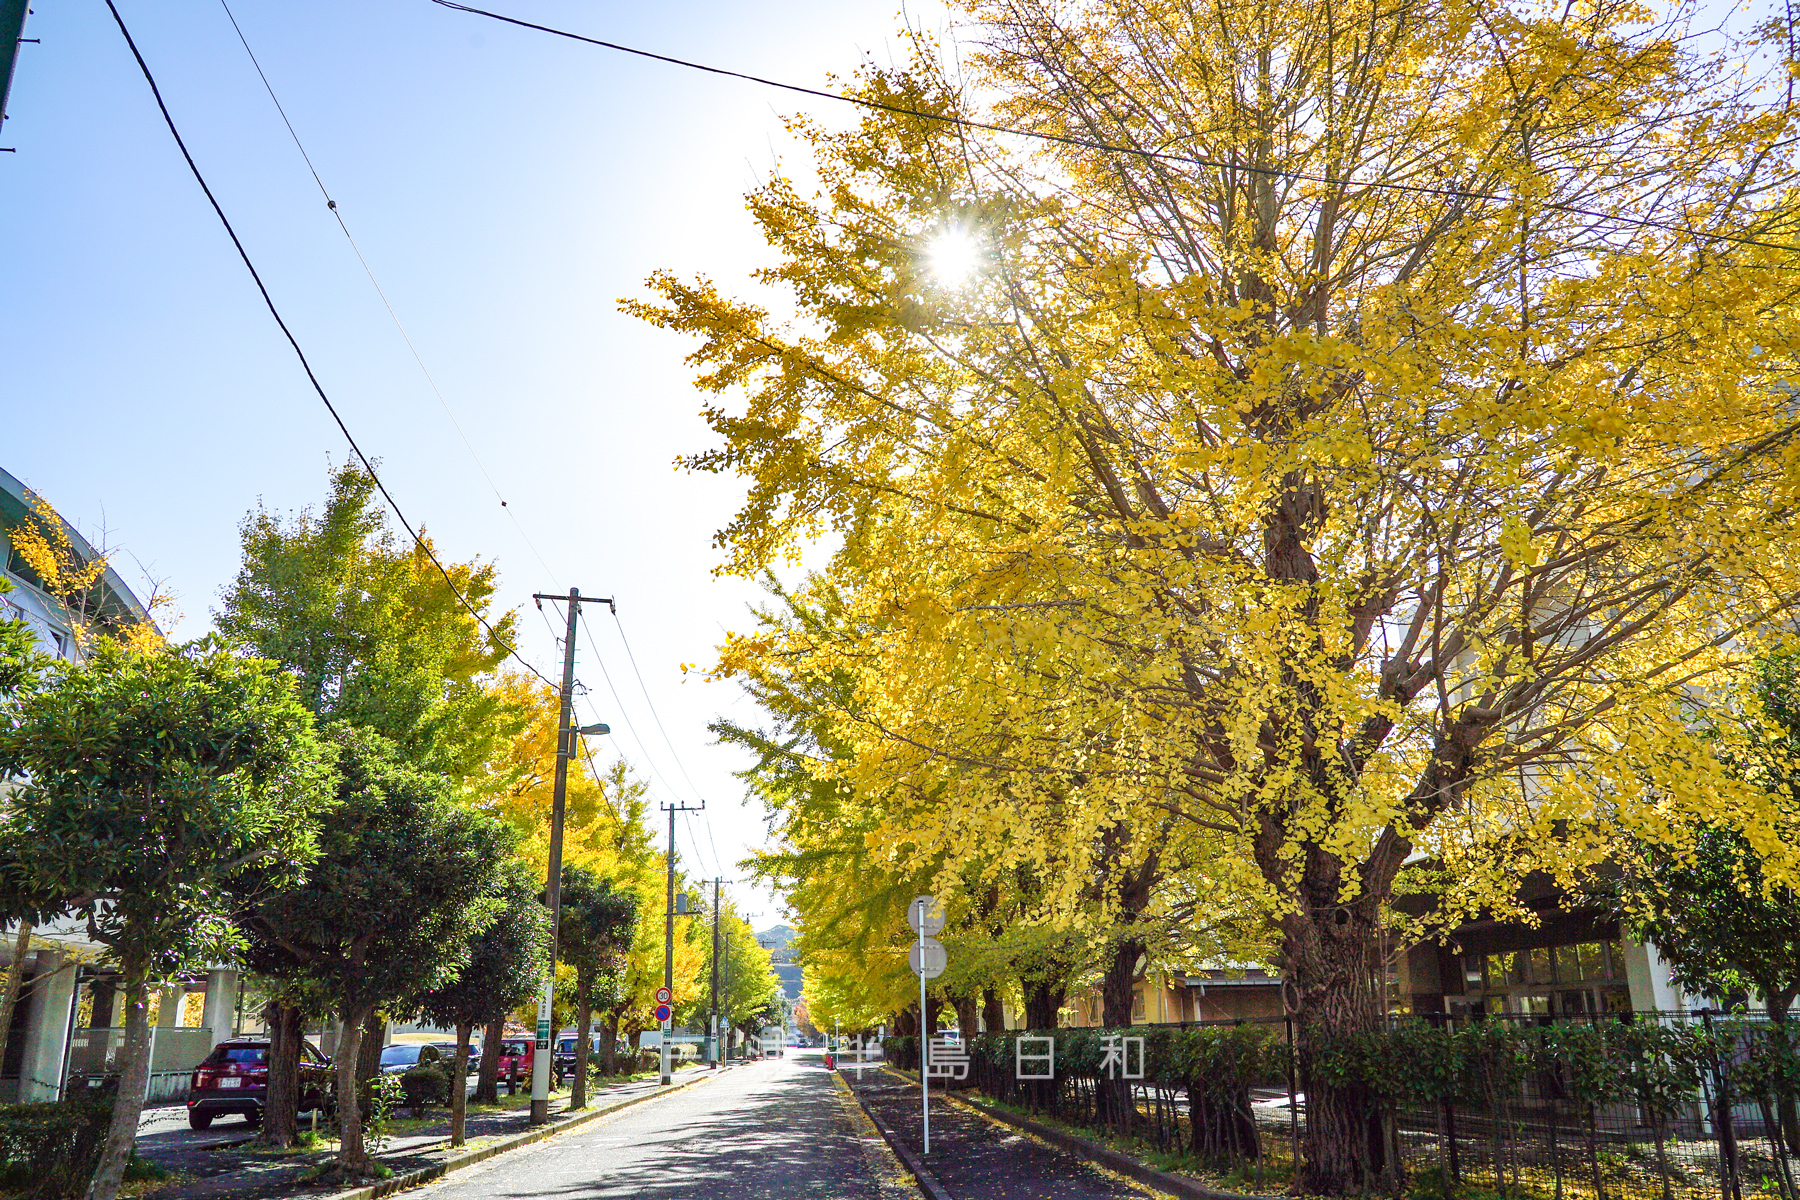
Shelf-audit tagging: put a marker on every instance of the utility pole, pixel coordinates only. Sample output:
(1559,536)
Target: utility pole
(565,747)
(669,931)
(719,923)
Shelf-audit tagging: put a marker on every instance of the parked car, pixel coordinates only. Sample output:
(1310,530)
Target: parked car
(563,1065)
(447,1052)
(516,1052)
(234,1080)
(402,1057)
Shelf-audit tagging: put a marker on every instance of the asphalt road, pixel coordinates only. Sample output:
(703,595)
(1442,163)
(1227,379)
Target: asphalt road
(772,1130)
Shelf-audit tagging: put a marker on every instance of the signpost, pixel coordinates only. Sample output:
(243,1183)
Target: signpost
(927,960)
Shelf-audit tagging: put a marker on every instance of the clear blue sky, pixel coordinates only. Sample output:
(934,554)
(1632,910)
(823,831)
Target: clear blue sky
(507,188)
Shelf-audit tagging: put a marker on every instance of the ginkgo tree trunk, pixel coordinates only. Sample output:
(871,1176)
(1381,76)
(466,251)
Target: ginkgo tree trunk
(1356,429)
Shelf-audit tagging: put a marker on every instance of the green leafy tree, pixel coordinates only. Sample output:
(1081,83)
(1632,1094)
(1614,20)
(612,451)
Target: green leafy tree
(1726,928)
(145,782)
(372,630)
(598,924)
(404,888)
(749,990)
(505,970)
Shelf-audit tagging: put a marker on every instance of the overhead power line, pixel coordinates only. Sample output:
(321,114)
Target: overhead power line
(300,354)
(667,741)
(332,204)
(1065,139)
(630,728)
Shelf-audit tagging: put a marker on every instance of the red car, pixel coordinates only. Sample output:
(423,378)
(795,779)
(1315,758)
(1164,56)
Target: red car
(234,1079)
(515,1051)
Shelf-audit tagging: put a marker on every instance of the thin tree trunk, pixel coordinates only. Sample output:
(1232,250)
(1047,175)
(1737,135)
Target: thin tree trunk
(487,1083)
(10,998)
(353,1158)
(609,1045)
(584,1018)
(459,1082)
(281,1105)
(134,1080)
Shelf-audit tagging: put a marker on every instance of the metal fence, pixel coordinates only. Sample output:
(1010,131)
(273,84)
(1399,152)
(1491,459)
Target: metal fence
(1645,1106)
(96,1055)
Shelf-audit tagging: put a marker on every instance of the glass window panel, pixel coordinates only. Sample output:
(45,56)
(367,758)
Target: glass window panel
(1472,971)
(1568,966)
(1541,971)
(1616,1000)
(1593,960)
(1615,959)
(1494,1004)
(1537,1006)
(1498,973)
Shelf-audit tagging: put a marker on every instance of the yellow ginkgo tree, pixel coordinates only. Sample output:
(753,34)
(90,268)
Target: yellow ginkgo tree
(1352,430)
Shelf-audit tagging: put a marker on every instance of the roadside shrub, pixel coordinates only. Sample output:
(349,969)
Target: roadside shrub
(49,1151)
(423,1086)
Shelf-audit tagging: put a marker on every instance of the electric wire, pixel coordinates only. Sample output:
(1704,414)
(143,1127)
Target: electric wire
(693,842)
(300,354)
(332,204)
(1109,147)
(626,717)
(667,741)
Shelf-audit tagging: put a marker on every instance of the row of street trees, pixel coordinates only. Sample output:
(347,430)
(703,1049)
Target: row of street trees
(338,791)
(1329,450)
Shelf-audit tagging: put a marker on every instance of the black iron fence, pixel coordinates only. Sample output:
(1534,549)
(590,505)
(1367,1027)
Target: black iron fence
(1646,1105)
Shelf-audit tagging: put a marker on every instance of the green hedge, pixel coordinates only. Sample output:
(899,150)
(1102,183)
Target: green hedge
(1410,1064)
(49,1151)
(424,1086)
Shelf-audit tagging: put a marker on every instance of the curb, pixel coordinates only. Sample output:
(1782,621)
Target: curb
(1105,1156)
(926,1180)
(388,1187)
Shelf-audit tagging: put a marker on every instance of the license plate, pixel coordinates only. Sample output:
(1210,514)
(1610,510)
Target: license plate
(231,1082)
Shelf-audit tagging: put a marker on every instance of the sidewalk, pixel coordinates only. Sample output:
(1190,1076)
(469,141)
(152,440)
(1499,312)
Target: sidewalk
(974,1159)
(228,1161)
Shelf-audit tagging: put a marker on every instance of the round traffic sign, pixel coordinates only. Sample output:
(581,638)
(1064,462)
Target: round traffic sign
(926,915)
(927,959)
(664,996)
(664,1012)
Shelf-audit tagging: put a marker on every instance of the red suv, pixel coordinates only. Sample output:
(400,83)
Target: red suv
(515,1052)
(234,1078)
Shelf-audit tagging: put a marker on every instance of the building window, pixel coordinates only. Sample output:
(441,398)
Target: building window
(1137,1004)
